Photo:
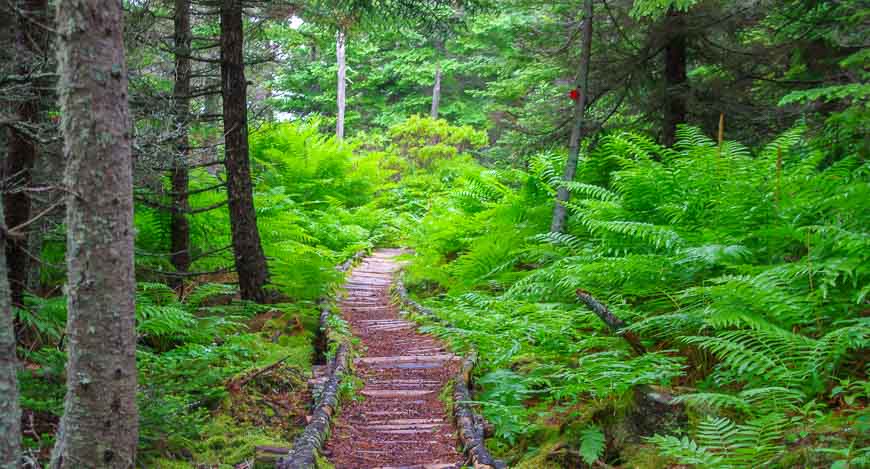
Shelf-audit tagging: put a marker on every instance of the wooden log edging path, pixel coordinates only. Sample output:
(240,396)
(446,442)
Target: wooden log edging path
(397,417)
(306,446)
(400,385)
(470,424)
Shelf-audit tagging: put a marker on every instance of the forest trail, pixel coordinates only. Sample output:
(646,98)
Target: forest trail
(401,421)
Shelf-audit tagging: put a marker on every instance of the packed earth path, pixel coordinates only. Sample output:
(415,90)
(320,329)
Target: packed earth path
(400,421)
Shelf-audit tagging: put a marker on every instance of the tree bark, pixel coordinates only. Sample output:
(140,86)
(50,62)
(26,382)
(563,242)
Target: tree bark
(10,412)
(180,226)
(436,92)
(250,260)
(560,212)
(614,323)
(436,88)
(30,42)
(340,45)
(99,427)
(675,76)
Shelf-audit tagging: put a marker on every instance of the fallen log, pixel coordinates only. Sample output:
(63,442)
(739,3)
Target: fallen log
(308,444)
(471,425)
(614,323)
(653,408)
(236,385)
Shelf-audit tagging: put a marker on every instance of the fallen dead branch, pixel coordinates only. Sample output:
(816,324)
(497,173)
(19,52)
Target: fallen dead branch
(614,323)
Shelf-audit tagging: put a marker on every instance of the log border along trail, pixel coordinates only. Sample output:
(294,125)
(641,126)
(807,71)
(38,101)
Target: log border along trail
(401,420)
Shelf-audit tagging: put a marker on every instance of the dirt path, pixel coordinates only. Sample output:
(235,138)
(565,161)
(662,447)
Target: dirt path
(401,422)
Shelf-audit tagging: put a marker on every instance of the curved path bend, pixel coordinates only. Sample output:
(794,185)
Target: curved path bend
(400,420)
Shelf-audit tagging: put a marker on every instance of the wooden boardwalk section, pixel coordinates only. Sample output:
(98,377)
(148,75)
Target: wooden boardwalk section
(400,421)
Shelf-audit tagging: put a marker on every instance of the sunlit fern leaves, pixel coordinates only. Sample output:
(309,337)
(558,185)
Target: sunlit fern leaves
(772,356)
(480,190)
(572,242)
(631,146)
(489,257)
(752,402)
(46,316)
(722,443)
(206,291)
(589,190)
(547,169)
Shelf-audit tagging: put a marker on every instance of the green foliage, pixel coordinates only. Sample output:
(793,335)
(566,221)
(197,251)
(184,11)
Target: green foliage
(723,443)
(424,140)
(592,444)
(748,265)
(188,351)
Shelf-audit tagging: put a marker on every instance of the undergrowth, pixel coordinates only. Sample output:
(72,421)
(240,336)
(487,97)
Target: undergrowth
(744,272)
(197,345)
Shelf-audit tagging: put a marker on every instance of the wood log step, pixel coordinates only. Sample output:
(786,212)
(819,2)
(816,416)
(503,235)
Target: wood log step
(425,427)
(413,431)
(401,359)
(384,413)
(407,386)
(368,282)
(434,465)
(390,453)
(401,382)
(409,365)
(406,421)
(366,274)
(393,443)
(417,342)
(396,393)
(420,351)
(387,328)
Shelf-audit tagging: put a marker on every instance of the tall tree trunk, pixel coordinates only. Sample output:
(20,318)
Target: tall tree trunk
(675,76)
(30,43)
(10,412)
(99,427)
(436,88)
(180,227)
(560,212)
(340,45)
(250,260)
(436,92)
(212,139)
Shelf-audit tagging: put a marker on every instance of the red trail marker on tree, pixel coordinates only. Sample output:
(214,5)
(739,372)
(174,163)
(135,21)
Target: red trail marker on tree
(574,94)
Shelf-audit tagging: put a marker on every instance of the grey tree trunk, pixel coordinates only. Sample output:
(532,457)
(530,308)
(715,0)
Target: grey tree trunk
(99,427)
(436,87)
(436,92)
(30,42)
(180,226)
(250,260)
(560,212)
(340,45)
(10,412)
